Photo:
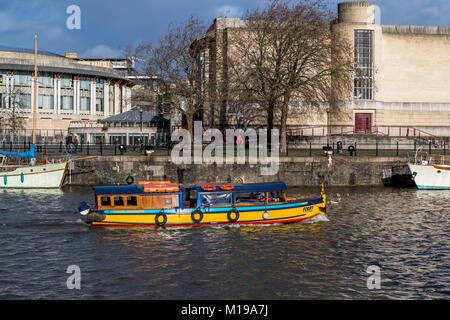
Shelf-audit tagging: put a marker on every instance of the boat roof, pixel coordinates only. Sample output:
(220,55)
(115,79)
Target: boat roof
(111,190)
(247,187)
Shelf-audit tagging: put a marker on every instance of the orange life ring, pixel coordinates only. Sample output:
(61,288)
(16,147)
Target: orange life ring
(226,187)
(208,188)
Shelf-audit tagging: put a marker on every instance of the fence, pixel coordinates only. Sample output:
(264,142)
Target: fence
(386,131)
(397,149)
(304,149)
(60,149)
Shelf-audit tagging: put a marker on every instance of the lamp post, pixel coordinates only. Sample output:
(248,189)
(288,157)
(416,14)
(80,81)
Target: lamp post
(328,127)
(140,117)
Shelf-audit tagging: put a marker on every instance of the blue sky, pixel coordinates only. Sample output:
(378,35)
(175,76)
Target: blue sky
(109,26)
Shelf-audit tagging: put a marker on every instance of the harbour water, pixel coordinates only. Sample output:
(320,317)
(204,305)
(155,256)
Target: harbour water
(404,232)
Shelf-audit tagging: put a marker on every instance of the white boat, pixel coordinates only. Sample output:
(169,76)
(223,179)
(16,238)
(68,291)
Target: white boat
(430,171)
(46,175)
(34,175)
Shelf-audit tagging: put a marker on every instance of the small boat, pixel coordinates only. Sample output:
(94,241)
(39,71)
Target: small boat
(39,175)
(430,171)
(164,204)
(33,175)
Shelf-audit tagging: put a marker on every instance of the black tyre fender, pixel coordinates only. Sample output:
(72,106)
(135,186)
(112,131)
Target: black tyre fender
(130,180)
(194,213)
(157,220)
(230,214)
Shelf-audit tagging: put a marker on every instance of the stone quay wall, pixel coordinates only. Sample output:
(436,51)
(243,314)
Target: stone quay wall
(294,171)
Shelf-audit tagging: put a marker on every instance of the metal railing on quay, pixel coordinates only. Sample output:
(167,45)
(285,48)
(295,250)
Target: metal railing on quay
(83,149)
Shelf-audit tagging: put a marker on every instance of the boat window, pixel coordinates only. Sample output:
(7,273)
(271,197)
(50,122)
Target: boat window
(118,201)
(190,198)
(275,196)
(105,201)
(216,199)
(131,201)
(251,197)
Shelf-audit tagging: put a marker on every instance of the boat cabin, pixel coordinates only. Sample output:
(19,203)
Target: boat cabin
(166,195)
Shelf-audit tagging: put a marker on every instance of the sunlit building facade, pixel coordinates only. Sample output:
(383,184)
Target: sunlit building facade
(401,81)
(69,89)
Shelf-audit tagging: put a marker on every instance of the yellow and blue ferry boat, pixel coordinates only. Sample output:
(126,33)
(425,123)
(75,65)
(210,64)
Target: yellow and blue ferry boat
(162,203)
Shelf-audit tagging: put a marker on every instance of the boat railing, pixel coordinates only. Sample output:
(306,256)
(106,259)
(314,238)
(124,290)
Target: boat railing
(438,159)
(424,158)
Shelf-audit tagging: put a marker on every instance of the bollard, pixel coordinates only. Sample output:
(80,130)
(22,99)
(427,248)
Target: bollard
(351,149)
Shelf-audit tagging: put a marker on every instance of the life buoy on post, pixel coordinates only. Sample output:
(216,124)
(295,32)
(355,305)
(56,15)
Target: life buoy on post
(158,219)
(130,180)
(194,216)
(233,215)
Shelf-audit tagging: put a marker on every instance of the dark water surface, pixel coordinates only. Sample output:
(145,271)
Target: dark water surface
(404,232)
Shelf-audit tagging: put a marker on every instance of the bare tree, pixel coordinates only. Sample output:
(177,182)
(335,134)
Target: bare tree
(288,56)
(178,68)
(12,118)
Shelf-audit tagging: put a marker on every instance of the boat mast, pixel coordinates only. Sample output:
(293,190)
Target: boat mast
(35,89)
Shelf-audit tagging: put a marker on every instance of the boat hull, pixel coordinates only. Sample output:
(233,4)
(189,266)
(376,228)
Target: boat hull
(30,177)
(429,177)
(270,214)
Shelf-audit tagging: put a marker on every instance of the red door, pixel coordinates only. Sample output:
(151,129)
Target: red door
(363,123)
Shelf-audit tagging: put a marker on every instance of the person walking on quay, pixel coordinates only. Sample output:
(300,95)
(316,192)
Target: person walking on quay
(69,143)
(75,143)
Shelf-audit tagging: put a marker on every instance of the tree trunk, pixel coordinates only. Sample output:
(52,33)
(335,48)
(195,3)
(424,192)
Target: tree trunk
(283,124)
(270,120)
(190,124)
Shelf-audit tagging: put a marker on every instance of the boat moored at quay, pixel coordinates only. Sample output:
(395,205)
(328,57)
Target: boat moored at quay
(168,204)
(430,172)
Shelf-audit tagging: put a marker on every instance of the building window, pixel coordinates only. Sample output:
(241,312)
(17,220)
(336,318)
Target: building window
(85,104)
(85,83)
(66,81)
(23,101)
(363,80)
(99,105)
(67,102)
(22,79)
(45,102)
(45,80)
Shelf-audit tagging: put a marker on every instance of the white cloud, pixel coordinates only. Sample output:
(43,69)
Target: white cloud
(102,51)
(228,11)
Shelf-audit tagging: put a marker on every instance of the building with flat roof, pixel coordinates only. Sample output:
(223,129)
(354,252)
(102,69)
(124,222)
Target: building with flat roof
(133,127)
(404,81)
(69,89)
